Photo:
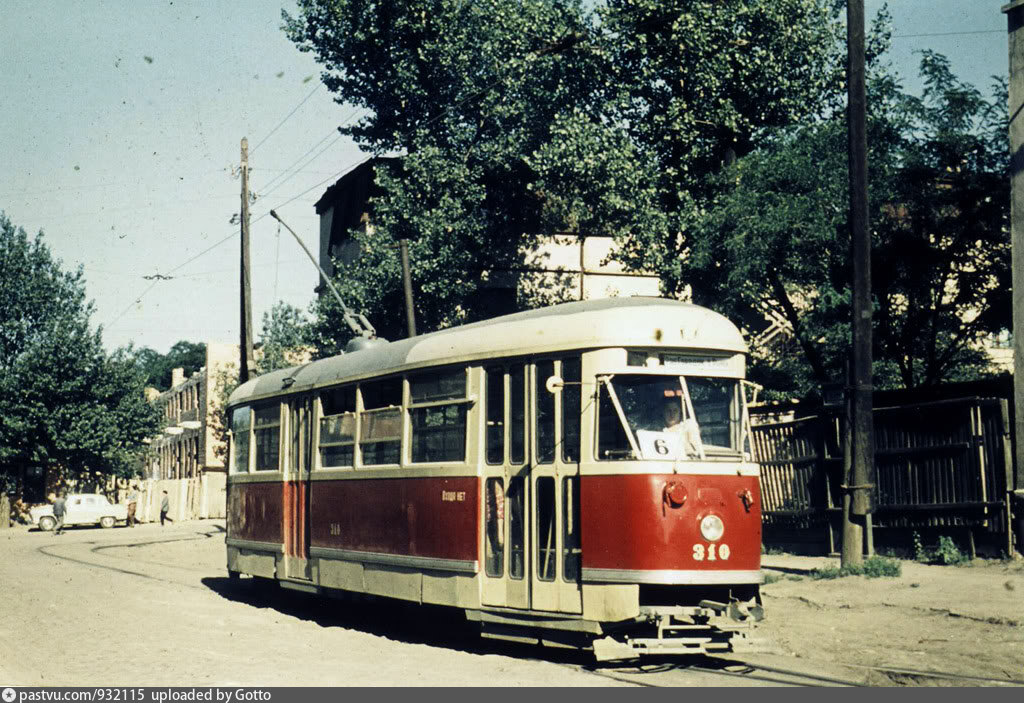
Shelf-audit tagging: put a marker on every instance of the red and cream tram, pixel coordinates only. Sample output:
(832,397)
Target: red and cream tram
(576,475)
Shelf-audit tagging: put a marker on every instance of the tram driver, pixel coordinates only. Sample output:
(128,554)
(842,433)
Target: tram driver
(688,430)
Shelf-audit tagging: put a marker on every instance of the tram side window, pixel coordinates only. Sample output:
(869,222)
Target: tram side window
(338,427)
(516,527)
(612,441)
(438,412)
(517,414)
(380,423)
(494,510)
(546,548)
(495,402)
(545,427)
(572,396)
(571,551)
(241,421)
(267,436)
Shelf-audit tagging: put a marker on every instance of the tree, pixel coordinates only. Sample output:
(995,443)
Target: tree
(541,116)
(158,368)
(63,401)
(284,338)
(776,237)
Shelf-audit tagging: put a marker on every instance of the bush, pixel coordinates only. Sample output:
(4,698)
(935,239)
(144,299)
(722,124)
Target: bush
(873,567)
(947,553)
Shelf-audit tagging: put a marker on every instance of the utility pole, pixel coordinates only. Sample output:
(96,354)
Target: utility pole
(1015,36)
(858,481)
(246,360)
(410,313)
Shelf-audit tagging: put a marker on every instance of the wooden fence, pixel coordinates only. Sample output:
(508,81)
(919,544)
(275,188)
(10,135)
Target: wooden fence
(940,468)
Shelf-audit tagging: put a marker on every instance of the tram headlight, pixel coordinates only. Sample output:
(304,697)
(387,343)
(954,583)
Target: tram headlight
(712,528)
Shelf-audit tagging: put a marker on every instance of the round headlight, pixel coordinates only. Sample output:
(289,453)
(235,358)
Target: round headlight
(712,528)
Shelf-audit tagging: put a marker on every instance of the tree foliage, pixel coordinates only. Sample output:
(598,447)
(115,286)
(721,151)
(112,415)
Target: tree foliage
(547,116)
(63,400)
(776,237)
(617,119)
(158,368)
(284,338)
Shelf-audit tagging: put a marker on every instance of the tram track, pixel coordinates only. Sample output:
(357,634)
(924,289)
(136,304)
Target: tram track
(897,675)
(735,670)
(48,550)
(780,675)
(647,674)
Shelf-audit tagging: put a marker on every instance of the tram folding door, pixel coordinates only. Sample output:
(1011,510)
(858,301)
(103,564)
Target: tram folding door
(296,487)
(531,547)
(554,482)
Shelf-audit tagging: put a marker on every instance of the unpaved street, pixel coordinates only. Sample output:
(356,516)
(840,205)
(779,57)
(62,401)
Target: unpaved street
(153,606)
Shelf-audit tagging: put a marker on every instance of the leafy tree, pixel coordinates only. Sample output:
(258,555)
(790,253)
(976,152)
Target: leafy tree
(543,116)
(63,401)
(159,368)
(284,338)
(776,237)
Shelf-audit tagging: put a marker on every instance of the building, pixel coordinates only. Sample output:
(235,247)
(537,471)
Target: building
(579,266)
(191,450)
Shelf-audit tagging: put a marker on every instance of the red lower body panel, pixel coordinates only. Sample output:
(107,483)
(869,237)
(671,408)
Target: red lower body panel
(651,522)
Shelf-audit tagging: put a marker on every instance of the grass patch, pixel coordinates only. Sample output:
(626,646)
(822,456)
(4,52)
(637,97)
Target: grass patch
(872,568)
(770,577)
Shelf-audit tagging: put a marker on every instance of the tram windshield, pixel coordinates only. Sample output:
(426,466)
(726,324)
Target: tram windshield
(670,418)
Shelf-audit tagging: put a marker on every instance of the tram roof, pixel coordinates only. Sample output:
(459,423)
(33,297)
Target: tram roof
(610,322)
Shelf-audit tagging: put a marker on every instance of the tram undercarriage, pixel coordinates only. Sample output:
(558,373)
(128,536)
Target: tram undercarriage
(711,627)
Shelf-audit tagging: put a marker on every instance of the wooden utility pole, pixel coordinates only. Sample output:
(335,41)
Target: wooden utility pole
(410,313)
(246,360)
(858,481)
(1015,34)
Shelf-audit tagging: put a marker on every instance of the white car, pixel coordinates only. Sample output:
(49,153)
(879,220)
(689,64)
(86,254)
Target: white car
(81,509)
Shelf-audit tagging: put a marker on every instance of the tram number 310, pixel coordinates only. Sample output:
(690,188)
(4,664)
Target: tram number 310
(701,552)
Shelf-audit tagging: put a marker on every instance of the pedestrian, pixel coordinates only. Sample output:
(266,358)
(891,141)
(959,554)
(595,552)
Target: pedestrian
(133,502)
(58,514)
(165,507)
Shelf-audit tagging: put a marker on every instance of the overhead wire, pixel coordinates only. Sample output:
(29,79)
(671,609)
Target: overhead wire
(288,173)
(286,118)
(560,46)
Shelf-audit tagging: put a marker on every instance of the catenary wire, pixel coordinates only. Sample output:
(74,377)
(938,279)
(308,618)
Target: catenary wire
(286,118)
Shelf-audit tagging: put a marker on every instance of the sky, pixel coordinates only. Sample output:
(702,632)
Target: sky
(120,141)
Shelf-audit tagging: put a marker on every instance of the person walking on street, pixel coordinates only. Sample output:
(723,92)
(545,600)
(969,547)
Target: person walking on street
(59,507)
(133,501)
(165,507)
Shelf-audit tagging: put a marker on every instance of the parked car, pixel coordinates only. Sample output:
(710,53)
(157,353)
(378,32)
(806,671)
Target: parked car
(81,509)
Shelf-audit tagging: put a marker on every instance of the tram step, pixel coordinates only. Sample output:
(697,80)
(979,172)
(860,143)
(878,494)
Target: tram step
(299,585)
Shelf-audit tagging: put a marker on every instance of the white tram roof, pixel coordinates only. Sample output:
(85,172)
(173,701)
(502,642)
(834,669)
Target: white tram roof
(609,322)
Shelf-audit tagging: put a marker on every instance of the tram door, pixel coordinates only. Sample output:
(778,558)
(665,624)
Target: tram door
(296,487)
(531,536)
(554,487)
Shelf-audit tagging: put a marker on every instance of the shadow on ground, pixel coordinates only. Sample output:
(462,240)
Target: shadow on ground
(398,620)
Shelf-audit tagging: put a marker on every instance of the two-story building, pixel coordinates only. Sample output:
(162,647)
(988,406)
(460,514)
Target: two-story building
(190,450)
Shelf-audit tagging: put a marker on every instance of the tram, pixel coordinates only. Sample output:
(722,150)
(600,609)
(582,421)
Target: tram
(578,475)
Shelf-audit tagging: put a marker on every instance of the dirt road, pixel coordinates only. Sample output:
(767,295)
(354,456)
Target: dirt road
(153,606)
